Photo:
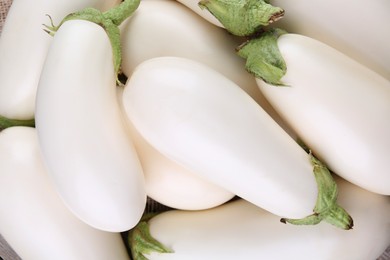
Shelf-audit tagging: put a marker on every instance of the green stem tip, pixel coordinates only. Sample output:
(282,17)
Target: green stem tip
(141,241)
(243,17)
(121,12)
(7,122)
(326,208)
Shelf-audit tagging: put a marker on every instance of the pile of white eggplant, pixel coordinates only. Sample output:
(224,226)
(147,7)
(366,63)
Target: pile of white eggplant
(265,144)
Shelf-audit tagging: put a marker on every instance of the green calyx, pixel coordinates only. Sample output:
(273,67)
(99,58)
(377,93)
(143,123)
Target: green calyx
(141,241)
(109,20)
(7,122)
(263,58)
(326,208)
(121,12)
(243,17)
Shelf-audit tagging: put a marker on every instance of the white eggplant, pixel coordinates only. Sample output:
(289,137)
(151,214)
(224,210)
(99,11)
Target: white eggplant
(82,132)
(166,28)
(194,6)
(24,46)
(205,122)
(354,27)
(171,184)
(339,108)
(239,230)
(239,17)
(33,218)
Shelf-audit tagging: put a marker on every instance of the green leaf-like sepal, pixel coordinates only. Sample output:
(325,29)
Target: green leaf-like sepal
(326,208)
(263,58)
(109,20)
(243,17)
(121,12)
(141,241)
(7,122)
(88,14)
(113,33)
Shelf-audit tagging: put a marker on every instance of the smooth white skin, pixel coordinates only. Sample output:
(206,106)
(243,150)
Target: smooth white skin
(82,132)
(339,108)
(193,5)
(24,46)
(355,27)
(167,28)
(203,121)
(171,184)
(33,218)
(240,230)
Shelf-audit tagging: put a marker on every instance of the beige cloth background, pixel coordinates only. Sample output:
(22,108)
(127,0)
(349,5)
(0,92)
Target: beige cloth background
(6,251)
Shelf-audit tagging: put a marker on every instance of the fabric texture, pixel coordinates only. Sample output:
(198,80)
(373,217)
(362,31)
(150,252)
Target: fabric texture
(4,7)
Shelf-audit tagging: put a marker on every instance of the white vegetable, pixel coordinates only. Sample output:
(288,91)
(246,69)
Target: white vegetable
(23,48)
(239,230)
(354,27)
(193,5)
(357,28)
(33,218)
(171,184)
(82,132)
(339,108)
(200,119)
(166,28)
